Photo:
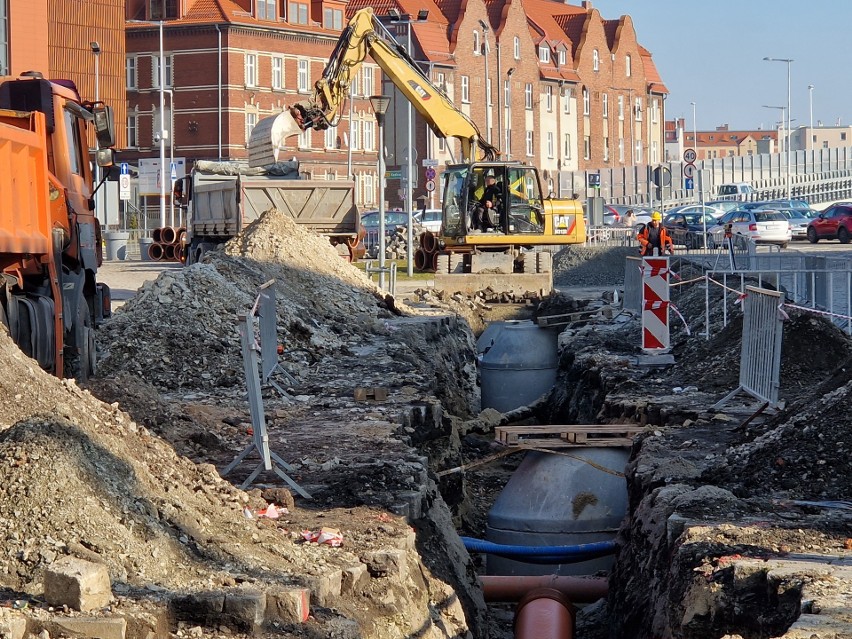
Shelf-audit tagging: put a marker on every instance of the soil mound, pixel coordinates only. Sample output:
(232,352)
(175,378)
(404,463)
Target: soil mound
(591,265)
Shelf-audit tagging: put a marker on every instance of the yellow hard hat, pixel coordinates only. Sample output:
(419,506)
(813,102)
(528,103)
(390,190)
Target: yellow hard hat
(656,216)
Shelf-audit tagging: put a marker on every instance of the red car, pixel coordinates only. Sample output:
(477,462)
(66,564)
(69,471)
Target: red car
(834,222)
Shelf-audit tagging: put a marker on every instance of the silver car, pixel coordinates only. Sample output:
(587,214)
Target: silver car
(763,226)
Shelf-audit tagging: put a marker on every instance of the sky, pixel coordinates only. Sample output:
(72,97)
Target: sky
(711,52)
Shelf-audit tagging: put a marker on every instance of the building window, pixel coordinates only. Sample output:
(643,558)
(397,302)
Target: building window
(130,72)
(548,98)
(331,137)
(369,189)
(517,48)
(587,103)
(367,83)
(621,107)
(655,152)
(628,66)
(605,105)
(638,108)
(132,131)
(277,73)
(332,19)
(544,53)
(843,135)
(638,159)
(4,39)
(477,47)
(251,69)
(550,149)
(587,147)
(155,71)
(596,61)
(465,89)
(655,110)
(528,98)
(266,10)
(530,147)
(163,9)
(566,100)
(562,57)
(305,139)
(297,13)
(441,81)
(251,121)
(606,148)
(621,150)
(567,144)
(355,142)
(303,76)
(442,145)
(369,135)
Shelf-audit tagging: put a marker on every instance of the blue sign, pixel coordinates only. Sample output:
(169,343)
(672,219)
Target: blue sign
(174,171)
(125,168)
(689,183)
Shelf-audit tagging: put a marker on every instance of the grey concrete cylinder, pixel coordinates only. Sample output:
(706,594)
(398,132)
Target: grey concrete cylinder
(554,500)
(144,244)
(116,244)
(519,367)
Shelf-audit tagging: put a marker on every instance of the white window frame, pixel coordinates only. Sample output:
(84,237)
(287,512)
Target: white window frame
(566,100)
(606,149)
(369,135)
(250,123)
(638,159)
(517,48)
(477,45)
(605,104)
(131,72)
(465,89)
(530,143)
(621,150)
(367,80)
(655,152)
(330,137)
(566,152)
(587,101)
(543,53)
(304,76)
(655,110)
(621,108)
(550,144)
(250,62)
(132,129)
(369,189)
(277,73)
(596,61)
(562,57)
(305,139)
(548,98)
(587,147)
(628,65)
(528,96)
(637,108)
(355,141)
(155,71)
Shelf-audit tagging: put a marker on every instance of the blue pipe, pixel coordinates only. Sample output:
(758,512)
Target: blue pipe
(542,554)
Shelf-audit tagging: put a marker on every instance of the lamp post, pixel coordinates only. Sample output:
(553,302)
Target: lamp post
(96,50)
(783,124)
(485,30)
(698,191)
(508,128)
(380,105)
(171,150)
(422,15)
(811,109)
(789,62)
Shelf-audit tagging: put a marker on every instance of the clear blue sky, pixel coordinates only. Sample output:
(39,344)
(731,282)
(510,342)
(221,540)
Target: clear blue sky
(711,53)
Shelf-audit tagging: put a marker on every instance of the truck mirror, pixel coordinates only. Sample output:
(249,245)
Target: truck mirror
(105,158)
(104,125)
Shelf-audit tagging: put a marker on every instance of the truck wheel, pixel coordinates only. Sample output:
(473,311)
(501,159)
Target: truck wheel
(80,355)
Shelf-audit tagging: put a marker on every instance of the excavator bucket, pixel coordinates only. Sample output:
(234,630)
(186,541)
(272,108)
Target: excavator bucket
(269,135)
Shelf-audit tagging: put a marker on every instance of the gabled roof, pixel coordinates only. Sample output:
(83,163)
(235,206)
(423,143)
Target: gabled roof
(611,31)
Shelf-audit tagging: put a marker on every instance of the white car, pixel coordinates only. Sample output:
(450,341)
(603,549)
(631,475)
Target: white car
(762,226)
(429,219)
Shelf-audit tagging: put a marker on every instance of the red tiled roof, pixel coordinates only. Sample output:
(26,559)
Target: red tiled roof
(652,76)
(451,9)
(611,31)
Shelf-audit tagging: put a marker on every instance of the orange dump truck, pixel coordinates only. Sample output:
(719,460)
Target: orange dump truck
(50,240)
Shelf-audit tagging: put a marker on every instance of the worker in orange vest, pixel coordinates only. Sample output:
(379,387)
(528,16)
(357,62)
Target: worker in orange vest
(655,236)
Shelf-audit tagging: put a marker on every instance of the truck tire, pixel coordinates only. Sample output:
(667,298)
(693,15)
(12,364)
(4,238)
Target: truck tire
(80,346)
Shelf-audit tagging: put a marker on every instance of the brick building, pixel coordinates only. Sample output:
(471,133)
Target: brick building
(719,143)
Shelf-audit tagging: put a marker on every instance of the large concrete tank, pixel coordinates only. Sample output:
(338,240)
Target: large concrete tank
(554,500)
(519,367)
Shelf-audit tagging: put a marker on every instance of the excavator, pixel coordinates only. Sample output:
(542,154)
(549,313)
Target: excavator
(500,245)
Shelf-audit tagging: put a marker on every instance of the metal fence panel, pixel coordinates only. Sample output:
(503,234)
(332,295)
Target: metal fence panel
(632,284)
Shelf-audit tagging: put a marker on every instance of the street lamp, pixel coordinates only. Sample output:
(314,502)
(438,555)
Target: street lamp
(380,105)
(162,76)
(406,20)
(485,30)
(784,123)
(699,191)
(811,109)
(96,50)
(789,62)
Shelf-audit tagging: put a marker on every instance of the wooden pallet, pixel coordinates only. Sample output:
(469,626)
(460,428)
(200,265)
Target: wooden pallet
(377,393)
(555,436)
(577,316)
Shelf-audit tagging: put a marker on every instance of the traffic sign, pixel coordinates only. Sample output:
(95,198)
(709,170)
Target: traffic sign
(430,173)
(173,171)
(430,162)
(689,156)
(124,186)
(125,168)
(595,180)
(689,184)
(689,171)
(430,185)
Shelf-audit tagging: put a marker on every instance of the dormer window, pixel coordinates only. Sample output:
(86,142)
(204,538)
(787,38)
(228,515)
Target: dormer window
(544,53)
(266,10)
(562,57)
(163,9)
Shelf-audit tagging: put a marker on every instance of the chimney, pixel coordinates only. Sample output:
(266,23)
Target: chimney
(722,127)
(586,4)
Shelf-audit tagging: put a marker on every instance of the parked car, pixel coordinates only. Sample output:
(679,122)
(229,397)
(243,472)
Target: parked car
(798,219)
(429,219)
(763,226)
(723,205)
(370,219)
(705,209)
(834,222)
(735,191)
(687,228)
(789,204)
(614,214)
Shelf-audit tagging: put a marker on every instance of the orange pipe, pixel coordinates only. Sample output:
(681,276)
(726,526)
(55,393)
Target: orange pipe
(155,251)
(168,235)
(508,588)
(544,614)
(428,242)
(419,259)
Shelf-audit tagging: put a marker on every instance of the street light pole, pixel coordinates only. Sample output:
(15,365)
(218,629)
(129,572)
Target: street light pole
(487,81)
(695,146)
(783,123)
(162,131)
(96,50)
(380,105)
(811,109)
(789,62)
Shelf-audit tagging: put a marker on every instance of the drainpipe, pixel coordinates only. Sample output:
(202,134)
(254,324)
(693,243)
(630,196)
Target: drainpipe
(544,613)
(513,588)
(219,36)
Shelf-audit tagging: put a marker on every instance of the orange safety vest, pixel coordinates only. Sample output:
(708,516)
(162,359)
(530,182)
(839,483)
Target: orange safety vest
(665,241)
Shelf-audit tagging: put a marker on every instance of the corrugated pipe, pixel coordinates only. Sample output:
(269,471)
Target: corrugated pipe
(513,588)
(544,613)
(542,554)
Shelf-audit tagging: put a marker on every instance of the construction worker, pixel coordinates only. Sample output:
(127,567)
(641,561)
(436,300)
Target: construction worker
(654,236)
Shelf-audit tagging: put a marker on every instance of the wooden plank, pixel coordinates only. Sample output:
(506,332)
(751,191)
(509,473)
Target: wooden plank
(568,435)
(562,443)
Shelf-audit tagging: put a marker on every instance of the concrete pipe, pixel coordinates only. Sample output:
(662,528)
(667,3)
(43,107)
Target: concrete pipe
(420,258)
(181,236)
(168,235)
(544,613)
(428,242)
(513,588)
(168,252)
(155,251)
(157,236)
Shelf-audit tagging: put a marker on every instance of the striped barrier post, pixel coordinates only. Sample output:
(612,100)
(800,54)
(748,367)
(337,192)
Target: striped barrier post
(655,305)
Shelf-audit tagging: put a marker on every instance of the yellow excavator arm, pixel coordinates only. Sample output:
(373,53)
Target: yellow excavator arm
(363,36)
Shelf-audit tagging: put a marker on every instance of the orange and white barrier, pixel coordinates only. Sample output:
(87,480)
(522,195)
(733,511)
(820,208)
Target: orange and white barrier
(655,304)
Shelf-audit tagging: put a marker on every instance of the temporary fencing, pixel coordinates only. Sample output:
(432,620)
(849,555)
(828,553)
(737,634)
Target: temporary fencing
(760,356)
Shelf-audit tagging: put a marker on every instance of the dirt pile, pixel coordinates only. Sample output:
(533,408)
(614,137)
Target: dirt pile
(591,266)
